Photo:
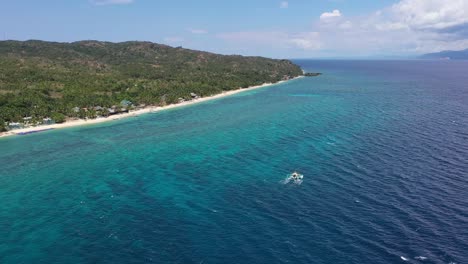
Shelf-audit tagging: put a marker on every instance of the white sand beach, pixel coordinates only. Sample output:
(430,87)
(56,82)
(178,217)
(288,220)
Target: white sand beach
(151,109)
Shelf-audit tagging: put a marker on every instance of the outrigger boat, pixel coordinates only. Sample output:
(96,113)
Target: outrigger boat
(296,177)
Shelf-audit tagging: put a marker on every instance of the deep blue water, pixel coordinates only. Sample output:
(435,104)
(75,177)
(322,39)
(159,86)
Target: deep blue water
(383,146)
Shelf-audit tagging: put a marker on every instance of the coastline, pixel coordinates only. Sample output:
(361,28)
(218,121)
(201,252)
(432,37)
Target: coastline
(151,109)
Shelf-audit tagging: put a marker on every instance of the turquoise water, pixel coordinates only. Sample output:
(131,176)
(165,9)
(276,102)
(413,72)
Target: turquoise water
(383,147)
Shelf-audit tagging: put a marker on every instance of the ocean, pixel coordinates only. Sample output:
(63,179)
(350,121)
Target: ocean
(382,145)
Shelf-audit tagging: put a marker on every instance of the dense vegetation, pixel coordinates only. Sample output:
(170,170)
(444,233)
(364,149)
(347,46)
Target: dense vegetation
(58,80)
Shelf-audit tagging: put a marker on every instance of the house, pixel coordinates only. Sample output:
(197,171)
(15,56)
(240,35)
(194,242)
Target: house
(15,125)
(47,121)
(194,96)
(26,120)
(126,103)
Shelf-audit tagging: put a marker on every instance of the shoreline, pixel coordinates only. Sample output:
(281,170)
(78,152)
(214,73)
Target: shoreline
(151,109)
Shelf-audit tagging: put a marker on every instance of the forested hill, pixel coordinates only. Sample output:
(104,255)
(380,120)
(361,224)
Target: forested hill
(47,79)
(448,54)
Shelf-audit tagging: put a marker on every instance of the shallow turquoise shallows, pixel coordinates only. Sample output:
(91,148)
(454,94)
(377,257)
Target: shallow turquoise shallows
(383,146)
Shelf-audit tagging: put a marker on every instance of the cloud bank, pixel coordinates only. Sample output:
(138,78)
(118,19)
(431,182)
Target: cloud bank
(408,27)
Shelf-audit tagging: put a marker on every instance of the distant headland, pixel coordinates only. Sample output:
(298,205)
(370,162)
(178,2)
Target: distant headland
(447,55)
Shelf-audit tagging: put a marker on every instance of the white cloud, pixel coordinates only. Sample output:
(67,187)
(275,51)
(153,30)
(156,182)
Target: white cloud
(306,41)
(280,40)
(431,14)
(408,27)
(388,26)
(197,31)
(111,2)
(327,15)
(346,25)
(284,4)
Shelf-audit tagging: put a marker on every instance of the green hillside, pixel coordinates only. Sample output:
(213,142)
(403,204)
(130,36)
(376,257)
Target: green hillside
(47,79)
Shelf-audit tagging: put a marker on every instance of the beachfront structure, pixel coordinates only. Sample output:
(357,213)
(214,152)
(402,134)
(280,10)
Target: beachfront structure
(126,103)
(14,125)
(47,121)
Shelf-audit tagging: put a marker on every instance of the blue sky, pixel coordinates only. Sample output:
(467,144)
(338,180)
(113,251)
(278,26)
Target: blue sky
(289,29)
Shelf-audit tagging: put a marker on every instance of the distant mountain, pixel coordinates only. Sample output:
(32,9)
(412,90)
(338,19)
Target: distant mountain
(40,79)
(448,54)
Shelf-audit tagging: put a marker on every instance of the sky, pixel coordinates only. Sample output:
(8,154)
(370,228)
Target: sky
(278,29)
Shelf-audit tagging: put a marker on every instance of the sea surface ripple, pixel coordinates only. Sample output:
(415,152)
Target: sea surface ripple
(383,146)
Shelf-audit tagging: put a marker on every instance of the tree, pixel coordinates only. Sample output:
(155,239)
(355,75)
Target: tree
(2,125)
(58,117)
